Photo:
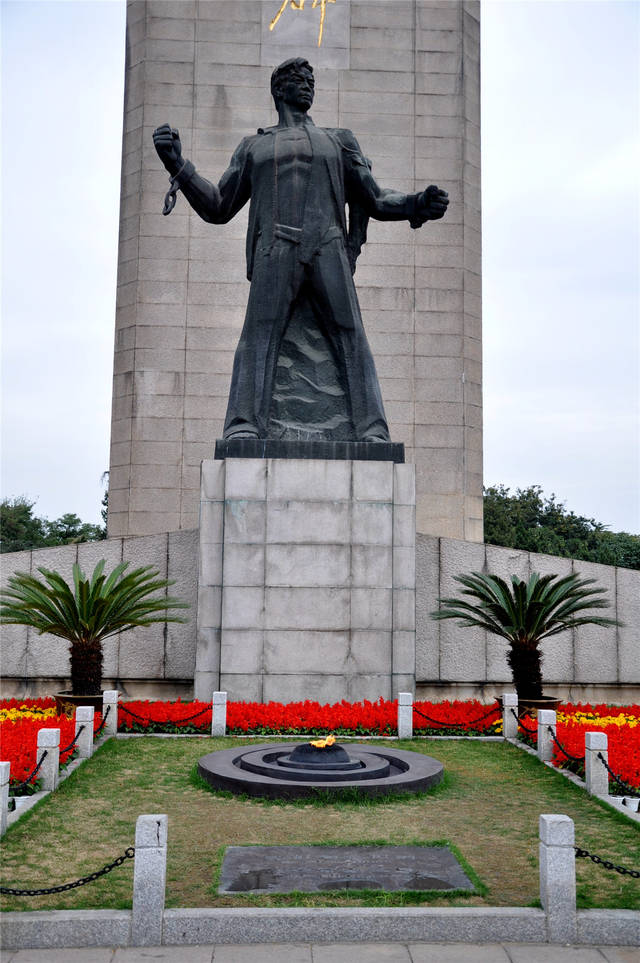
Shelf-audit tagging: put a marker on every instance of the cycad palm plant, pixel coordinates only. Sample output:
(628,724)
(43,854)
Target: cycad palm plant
(88,612)
(524,614)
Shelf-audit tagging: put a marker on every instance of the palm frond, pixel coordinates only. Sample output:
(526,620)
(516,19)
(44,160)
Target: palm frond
(526,612)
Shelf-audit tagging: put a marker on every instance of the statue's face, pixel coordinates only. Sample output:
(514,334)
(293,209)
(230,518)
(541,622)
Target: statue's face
(297,89)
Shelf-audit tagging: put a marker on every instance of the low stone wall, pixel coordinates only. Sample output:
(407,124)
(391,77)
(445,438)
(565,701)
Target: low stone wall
(153,662)
(159,662)
(589,663)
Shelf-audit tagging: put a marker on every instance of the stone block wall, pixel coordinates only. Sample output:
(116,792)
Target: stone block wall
(586,664)
(155,661)
(307,579)
(405,76)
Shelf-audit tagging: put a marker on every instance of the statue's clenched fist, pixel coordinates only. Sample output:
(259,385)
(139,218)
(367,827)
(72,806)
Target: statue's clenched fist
(167,143)
(433,203)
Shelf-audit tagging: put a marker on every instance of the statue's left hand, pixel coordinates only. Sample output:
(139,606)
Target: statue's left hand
(432,203)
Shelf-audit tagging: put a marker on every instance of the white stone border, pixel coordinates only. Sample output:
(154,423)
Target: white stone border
(182,927)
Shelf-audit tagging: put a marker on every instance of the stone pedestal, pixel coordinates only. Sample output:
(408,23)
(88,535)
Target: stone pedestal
(306,583)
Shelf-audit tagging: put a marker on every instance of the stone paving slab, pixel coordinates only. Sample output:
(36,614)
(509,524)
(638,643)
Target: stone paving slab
(563,954)
(444,953)
(275,953)
(361,953)
(335,953)
(620,954)
(312,869)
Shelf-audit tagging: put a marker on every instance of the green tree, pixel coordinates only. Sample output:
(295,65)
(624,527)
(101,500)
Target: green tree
(69,528)
(524,614)
(20,529)
(527,520)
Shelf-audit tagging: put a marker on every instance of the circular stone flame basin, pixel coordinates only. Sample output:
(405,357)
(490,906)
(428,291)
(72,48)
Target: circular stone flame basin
(294,771)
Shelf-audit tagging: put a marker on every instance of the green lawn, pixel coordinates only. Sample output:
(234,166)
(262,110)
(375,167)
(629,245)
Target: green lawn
(487,807)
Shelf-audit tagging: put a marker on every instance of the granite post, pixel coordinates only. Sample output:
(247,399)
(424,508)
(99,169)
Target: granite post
(219,714)
(405,715)
(149,876)
(596,775)
(49,742)
(558,877)
(110,702)
(84,722)
(509,720)
(5,769)
(546,733)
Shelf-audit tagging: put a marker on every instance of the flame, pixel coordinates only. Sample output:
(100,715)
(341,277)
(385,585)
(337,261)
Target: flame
(323,743)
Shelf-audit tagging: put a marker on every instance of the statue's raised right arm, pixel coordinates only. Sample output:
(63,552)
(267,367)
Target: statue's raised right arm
(215,204)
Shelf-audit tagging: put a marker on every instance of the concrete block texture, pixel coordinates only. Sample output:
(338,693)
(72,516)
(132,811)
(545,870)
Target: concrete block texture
(149,875)
(48,757)
(596,648)
(628,633)
(463,651)
(558,876)
(596,775)
(446,651)
(27,661)
(405,77)
(307,582)
(5,772)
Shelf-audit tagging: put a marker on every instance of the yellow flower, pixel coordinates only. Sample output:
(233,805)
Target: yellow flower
(26,712)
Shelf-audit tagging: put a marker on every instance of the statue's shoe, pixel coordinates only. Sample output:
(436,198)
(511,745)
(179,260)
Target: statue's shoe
(243,433)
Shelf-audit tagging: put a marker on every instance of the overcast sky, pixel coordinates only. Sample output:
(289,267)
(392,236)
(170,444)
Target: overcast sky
(561,216)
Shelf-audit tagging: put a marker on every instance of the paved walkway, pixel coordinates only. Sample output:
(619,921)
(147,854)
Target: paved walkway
(336,953)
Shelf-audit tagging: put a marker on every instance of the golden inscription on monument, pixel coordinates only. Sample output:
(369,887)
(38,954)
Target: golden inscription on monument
(299,5)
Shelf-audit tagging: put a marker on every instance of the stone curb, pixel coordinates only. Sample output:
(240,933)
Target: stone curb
(94,928)
(613,802)
(25,803)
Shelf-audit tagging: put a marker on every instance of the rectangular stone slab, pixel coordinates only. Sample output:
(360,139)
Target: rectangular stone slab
(290,448)
(312,869)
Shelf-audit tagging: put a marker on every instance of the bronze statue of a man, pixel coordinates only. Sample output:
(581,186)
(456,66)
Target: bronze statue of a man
(298,179)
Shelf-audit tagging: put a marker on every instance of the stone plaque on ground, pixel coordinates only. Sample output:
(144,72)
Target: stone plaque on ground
(312,869)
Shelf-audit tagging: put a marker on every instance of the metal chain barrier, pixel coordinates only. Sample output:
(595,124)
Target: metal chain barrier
(25,782)
(434,721)
(579,759)
(629,790)
(102,724)
(131,713)
(473,722)
(532,732)
(118,861)
(605,863)
(207,708)
(75,739)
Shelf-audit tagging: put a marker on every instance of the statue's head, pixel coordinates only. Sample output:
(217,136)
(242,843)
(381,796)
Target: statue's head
(292,82)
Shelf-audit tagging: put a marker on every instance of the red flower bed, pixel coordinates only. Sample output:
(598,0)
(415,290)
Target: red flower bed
(467,718)
(19,736)
(145,716)
(303,718)
(623,741)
